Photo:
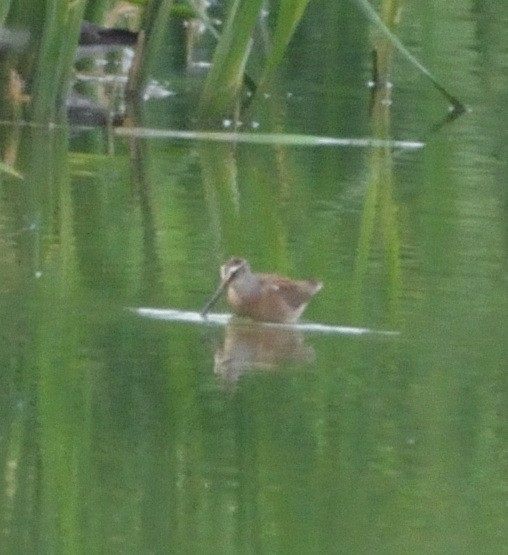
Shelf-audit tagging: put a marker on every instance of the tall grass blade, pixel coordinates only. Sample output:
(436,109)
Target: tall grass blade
(290,14)
(226,74)
(198,9)
(156,22)
(457,105)
(264,138)
(56,56)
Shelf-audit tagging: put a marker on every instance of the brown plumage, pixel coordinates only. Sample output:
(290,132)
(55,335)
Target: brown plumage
(263,297)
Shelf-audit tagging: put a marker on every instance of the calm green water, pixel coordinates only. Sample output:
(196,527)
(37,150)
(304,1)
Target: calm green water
(124,434)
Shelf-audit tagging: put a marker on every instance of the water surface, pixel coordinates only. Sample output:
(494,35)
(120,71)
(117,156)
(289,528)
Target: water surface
(128,434)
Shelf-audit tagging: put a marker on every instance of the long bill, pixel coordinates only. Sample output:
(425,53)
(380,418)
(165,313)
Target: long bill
(215,297)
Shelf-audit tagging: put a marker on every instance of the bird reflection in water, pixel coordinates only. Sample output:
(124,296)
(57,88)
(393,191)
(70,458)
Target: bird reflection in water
(253,347)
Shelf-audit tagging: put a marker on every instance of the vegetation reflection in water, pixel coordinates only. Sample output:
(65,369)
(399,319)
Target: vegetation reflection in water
(117,435)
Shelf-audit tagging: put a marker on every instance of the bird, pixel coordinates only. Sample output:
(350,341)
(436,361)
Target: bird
(262,297)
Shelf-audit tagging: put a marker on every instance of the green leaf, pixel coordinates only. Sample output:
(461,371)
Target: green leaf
(226,74)
(290,14)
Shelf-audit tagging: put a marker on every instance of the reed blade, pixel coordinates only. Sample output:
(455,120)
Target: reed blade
(228,65)
(374,17)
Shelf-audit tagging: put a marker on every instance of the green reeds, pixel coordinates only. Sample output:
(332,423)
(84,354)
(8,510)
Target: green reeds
(226,74)
(156,20)
(369,11)
(289,16)
(55,61)
(380,207)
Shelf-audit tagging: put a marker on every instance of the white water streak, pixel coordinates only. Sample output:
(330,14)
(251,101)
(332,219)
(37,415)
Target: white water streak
(175,315)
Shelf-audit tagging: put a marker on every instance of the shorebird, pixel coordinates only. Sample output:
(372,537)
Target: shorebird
(262,297)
